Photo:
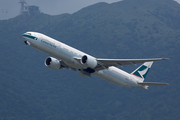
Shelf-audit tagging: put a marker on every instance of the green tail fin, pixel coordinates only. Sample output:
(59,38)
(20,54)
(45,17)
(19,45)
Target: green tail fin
(142,71)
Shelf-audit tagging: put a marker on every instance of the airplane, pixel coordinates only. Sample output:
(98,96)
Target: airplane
(68,57)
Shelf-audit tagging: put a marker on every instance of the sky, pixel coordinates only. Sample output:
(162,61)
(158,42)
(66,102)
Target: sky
(11,8)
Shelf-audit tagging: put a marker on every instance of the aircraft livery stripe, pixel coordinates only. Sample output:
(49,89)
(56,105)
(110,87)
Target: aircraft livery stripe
(29,36)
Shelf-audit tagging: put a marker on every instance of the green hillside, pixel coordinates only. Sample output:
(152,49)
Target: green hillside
(127,29)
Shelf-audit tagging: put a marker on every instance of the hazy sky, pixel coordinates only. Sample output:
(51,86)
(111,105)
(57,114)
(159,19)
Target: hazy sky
(11,8)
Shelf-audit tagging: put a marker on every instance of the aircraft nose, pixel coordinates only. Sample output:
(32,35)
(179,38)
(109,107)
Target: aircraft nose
(24,35)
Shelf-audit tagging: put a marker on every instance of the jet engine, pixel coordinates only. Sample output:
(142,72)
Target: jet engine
(52,63)
(89,61)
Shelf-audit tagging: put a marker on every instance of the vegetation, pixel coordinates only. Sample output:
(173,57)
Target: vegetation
(126,29)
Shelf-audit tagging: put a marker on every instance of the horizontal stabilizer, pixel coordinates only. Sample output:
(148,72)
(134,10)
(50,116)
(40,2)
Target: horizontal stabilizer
(152,84)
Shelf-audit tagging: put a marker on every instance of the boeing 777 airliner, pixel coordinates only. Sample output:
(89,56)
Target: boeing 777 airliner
(71,58)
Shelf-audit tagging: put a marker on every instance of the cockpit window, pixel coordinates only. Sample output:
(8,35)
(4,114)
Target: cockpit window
(28,33)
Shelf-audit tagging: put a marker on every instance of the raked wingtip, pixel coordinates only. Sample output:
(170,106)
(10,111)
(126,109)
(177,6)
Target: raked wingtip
(165,58)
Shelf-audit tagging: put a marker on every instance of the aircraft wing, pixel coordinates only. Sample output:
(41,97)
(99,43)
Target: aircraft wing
(105,63)
(64,65)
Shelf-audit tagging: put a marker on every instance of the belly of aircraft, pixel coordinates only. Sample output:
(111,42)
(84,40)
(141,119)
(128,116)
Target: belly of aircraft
(111,77)
(116,78)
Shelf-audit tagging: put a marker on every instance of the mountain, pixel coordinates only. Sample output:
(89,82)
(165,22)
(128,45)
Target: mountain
(126,29)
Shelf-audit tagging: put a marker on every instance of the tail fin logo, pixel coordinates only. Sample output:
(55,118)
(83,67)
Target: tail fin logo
(141,72)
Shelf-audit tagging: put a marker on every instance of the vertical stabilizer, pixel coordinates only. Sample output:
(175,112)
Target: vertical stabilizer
(142,71)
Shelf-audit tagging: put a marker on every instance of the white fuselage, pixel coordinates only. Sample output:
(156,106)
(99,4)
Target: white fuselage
(67,55)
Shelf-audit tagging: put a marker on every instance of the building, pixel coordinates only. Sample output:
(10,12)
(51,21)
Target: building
(32,9)
(28,9)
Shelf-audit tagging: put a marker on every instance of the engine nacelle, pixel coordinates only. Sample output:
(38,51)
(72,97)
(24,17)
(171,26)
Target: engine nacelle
(52,63)
(89,61)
